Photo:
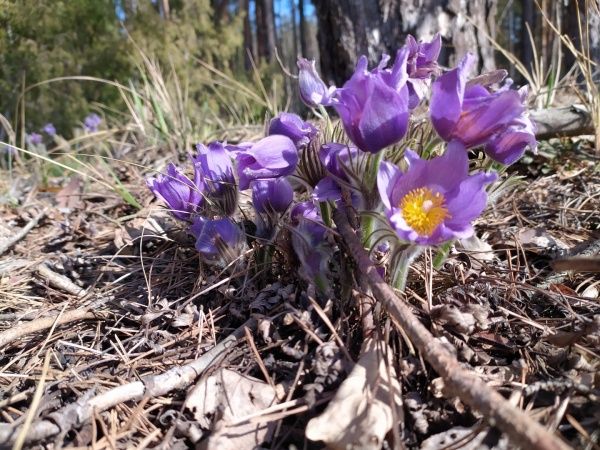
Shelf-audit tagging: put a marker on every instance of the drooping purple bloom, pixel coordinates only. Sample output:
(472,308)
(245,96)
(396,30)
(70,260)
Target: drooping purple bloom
(272,157)
(217,240)
(92,122)
(34,138)
(509,145)
(475,116)
(435,200)
(308,240)
(333,156)
(294,127)
(272,196)
(421,64)
(49,129)
(213,170)
(313,90)
(182,196)
(374,105)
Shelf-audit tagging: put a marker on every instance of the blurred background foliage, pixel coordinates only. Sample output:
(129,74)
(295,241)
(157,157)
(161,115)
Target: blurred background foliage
(225,61)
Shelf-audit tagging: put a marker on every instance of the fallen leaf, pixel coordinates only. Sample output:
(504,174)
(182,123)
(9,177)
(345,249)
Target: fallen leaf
(69,197)
(360,414)
(217,401)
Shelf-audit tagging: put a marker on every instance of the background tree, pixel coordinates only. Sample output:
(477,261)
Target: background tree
(350,28)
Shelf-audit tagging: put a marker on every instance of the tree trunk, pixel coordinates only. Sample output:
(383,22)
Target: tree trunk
(351,28)
(270,24)
(294,28)
(248,48)
(261,29)
(303,44)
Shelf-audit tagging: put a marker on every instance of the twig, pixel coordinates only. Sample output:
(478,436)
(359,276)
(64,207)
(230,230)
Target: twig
(75,414)
(60,281)
(458,382)
(12,334)
(21,234)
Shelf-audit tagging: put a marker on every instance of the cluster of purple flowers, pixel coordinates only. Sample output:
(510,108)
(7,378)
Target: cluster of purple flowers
(431,202)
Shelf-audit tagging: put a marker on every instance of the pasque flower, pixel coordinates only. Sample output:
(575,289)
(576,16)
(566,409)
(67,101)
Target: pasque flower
(213,170)
(182,196)
(333,156)
(92,122)
(476,117)
(308,240)
(292,126)
(34,138)
(272,196)
(435,200)
(49,129)
(217,241)
(272,157)
(421,64)
(313,91)
(374,105)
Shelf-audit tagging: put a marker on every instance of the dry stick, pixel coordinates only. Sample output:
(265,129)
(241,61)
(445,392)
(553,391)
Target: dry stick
(75,414)
(458,381)
(12,334)
(60,281)
(21,234)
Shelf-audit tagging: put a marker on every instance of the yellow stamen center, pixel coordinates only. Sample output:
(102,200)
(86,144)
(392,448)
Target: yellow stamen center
(423,209)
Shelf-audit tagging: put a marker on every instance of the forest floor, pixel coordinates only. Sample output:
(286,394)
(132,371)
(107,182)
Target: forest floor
(113,335)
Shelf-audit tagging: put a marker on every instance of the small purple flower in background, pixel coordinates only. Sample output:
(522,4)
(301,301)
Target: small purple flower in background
(374,105)
(475,116)
(92,122)
(272,157)
(183,198)
(213,170)
(217,241)
(34,138)
(433,201)
(272,196)
(292,126)
(421,64)
(49,129)
(313,90)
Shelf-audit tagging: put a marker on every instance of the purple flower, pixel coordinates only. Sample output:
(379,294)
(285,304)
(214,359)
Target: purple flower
(333,156)
(374,105)
(34,138)
(294,127)
(92,122)
(213,170)
(435,200)
(217,240)
(476,117)
(49,129)
(308,240)
(272,157)
(421,64)
(182,197)
(313,91)
(272,196)
(509,145)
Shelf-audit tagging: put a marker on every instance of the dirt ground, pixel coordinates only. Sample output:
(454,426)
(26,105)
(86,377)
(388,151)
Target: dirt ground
(114,335)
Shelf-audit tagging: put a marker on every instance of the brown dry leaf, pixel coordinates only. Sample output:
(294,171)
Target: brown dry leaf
(466,320)
(539,239)
(360,414)
(477,248)
(69,197)
(227,396)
